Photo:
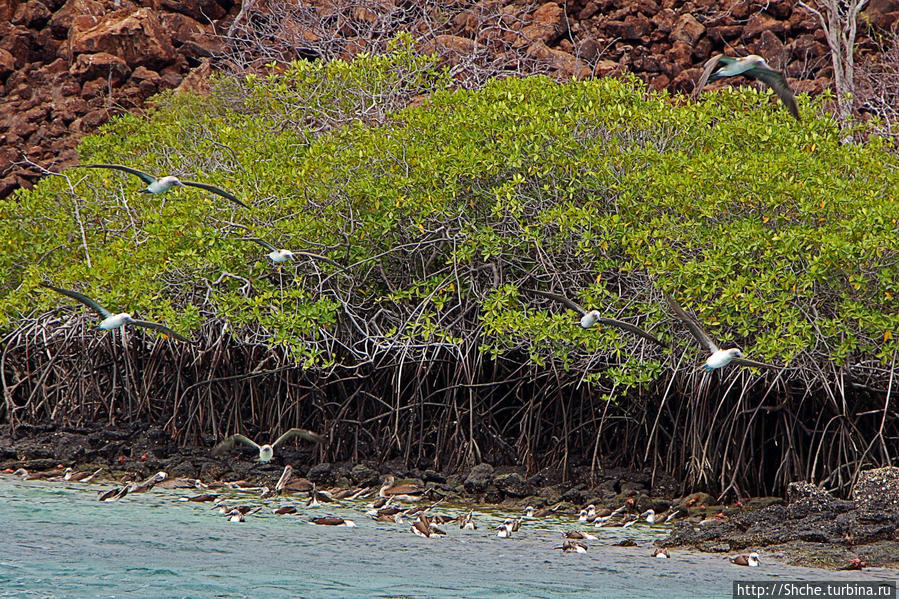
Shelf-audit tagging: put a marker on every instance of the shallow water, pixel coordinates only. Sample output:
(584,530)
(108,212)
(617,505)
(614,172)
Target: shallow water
(58,541)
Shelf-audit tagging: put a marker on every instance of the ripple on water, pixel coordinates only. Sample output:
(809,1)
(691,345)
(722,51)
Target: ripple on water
(69,545)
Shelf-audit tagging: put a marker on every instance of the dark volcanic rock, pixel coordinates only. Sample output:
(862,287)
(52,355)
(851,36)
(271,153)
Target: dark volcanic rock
(878,490)
(478,479)
(513,485)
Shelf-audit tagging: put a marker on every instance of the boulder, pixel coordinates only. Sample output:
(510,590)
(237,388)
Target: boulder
(513,485)
(547,25)
(138,38)
(564,64)
(33,15)
(7,63)
(631,28)
(687,29)
(479,478)
(760,22)
(878,490)
(62,19)
(91,66)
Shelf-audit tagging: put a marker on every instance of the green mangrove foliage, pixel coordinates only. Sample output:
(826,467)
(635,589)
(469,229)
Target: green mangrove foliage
(439,216)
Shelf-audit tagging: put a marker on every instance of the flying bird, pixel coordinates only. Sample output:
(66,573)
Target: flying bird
(279,256)
(266,452)
(719,358)
(592,317)
(754,67)
(113,321)
(163,184)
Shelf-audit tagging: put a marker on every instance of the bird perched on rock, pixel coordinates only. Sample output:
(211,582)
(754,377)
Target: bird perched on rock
(163,184)
(266,451)
(754,67)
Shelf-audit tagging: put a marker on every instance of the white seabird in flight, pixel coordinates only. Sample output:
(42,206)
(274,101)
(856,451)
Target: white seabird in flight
(266,452)
(754,67)
(719,358)
(113,321)
(592,317)
(163,184)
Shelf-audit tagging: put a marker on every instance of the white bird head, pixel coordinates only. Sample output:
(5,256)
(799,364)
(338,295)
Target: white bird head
(735,352)
(266,452)
(170,181)
(589,319)
(756,60)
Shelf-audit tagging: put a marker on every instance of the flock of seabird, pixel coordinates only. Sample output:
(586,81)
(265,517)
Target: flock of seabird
(388,505)
(393,503)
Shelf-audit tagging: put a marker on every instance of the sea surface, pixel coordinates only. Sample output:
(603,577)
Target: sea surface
(57,540)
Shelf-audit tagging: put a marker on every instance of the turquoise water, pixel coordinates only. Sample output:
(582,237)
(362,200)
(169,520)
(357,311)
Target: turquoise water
(57,540)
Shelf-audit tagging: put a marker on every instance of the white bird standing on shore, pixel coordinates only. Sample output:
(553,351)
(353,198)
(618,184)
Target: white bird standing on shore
(754,67)
(719,358)
(266,452)
(593,317)
(113,321)
(163,184)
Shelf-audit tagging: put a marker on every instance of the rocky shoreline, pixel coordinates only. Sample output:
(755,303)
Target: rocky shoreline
(809,527)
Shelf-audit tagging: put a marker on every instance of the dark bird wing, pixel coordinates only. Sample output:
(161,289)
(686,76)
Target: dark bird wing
(217,191)
(159,327)
(298,432)
(103,312)
(633,329)
(754,364)
(146,177)
(700,335)
(559,298)
(317,257)
(710,66)
(778,83)
(261,242)
(231,441)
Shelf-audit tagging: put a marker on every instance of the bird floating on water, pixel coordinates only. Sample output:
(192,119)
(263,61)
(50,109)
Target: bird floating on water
(113,321)
(266,452)
(163,184)
(580,535)
(661,553)
(424,527)
(592,317)
(84,477)
(569,546)
(719,358)
(751,560)
(754,67)
(467,522)
(400,492)
(508,526)
(332,521)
